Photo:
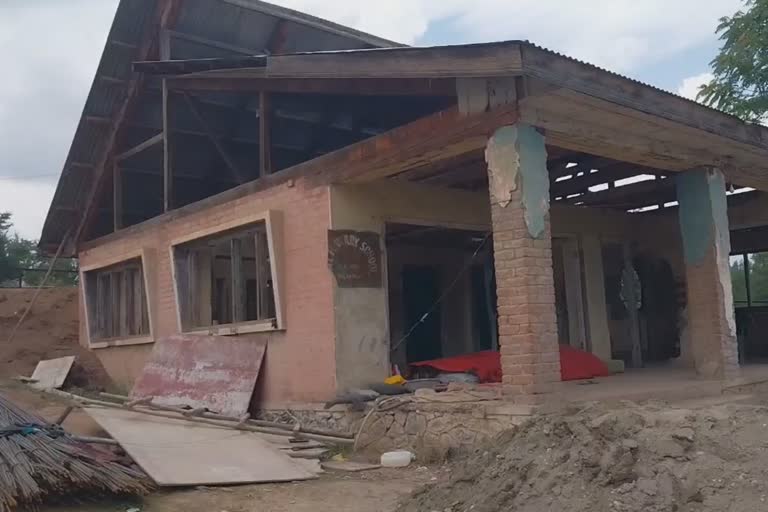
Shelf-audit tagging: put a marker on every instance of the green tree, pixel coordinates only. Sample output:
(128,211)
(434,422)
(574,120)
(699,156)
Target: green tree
(740,83)
(20,258)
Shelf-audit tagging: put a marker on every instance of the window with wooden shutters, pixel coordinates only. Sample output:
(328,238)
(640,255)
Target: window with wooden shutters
(225,279)
(116,302)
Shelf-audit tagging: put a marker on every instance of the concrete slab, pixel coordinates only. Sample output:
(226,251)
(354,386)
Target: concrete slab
(51,373)
(181,453)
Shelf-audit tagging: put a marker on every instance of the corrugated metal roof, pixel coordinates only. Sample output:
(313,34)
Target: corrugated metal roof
(246,24)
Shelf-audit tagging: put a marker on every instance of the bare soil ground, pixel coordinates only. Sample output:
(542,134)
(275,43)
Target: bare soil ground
(653,457)
(49,331)
(708,455)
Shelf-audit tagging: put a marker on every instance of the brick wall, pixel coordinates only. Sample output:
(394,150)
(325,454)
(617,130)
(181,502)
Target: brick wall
(300,362)
(530,355)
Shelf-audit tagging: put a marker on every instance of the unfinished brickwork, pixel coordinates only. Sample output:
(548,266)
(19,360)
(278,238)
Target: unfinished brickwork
(299,364)
(706,244)
(528,341)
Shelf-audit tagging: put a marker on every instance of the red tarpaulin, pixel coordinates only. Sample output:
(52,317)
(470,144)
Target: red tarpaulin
(575,364)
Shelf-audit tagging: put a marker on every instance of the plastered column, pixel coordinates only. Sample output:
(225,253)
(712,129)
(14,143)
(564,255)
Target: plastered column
(706,248)
(597,310)
(519,191)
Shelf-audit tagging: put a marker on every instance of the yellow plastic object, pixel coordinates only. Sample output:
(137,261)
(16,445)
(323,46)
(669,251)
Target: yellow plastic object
(394,380)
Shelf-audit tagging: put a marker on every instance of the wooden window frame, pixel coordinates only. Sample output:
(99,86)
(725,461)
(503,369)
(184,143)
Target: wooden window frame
(273,223)
(89,271)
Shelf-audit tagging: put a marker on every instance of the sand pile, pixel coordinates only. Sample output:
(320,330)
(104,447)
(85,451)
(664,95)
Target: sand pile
(620,459)
(50,330)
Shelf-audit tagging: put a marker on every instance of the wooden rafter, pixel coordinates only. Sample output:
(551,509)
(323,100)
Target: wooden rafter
(152,141)
(167,10)
(215,140)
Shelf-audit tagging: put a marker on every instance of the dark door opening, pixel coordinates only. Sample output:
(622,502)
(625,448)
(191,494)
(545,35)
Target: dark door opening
(421,290)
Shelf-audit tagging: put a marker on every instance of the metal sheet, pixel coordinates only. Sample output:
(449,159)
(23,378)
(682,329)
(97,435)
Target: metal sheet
(51,373)
(181,453)
(216,372)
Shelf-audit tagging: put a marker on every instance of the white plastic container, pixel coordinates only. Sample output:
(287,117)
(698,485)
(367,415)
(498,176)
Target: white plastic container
(396,459)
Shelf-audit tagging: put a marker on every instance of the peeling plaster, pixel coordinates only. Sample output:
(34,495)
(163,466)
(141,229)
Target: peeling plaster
(703,218)
(518,154)
(503,164)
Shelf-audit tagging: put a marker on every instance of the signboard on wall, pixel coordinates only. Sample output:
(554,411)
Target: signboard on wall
(355,258)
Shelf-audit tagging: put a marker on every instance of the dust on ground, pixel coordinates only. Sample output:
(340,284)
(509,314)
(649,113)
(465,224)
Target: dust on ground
(50,330)
(616,458)
(372,491)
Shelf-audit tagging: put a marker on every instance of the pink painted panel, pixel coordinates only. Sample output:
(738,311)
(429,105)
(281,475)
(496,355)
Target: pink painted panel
(216,372)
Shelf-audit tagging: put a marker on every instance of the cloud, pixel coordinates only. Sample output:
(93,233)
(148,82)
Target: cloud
(28,201)
(689,87)
(51,49)
(623,35)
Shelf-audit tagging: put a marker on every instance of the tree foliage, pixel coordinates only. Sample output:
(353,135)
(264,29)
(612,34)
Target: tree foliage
(758,279)
(20,259)
(740,83)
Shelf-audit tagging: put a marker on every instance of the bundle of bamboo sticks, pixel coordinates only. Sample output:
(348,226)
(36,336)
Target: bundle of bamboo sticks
(39,462)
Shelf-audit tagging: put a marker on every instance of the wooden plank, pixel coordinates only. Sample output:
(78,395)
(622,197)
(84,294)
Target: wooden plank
(168,191)
(591,81)
(170,451)
(634,316)
(607,174)
(214,372)
(261,274)
(574,293)
(591,125)
(152,141)
(126,291)
(265,134)
(215,140)
(51,373)
(117,195)
(450,61)
(663,189)
(238,281)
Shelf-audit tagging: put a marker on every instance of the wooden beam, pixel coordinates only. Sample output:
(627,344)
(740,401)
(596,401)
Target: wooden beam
(607,174)
(152,141)
(238,281)
(174,34)
(265,134)
(215,140)
(168,192)
(440,136)
(117,195)
(627,195)
(591,125)
(166,12)
(277,37)
(213,81)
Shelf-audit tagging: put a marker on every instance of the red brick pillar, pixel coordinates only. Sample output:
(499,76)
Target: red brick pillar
(704,228)
(519,190)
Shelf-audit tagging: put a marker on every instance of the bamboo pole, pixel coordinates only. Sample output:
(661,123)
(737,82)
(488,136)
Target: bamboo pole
(215,416)
(174,415)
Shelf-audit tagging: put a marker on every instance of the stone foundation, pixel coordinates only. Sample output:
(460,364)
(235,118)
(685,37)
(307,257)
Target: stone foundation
(432,430)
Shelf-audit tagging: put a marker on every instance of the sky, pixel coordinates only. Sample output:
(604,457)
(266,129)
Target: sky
(52,49)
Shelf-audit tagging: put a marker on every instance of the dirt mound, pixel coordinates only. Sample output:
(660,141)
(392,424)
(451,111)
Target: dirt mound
(626,459)
(50,330)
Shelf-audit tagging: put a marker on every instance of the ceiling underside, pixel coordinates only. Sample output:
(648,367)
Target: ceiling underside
(577,179)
